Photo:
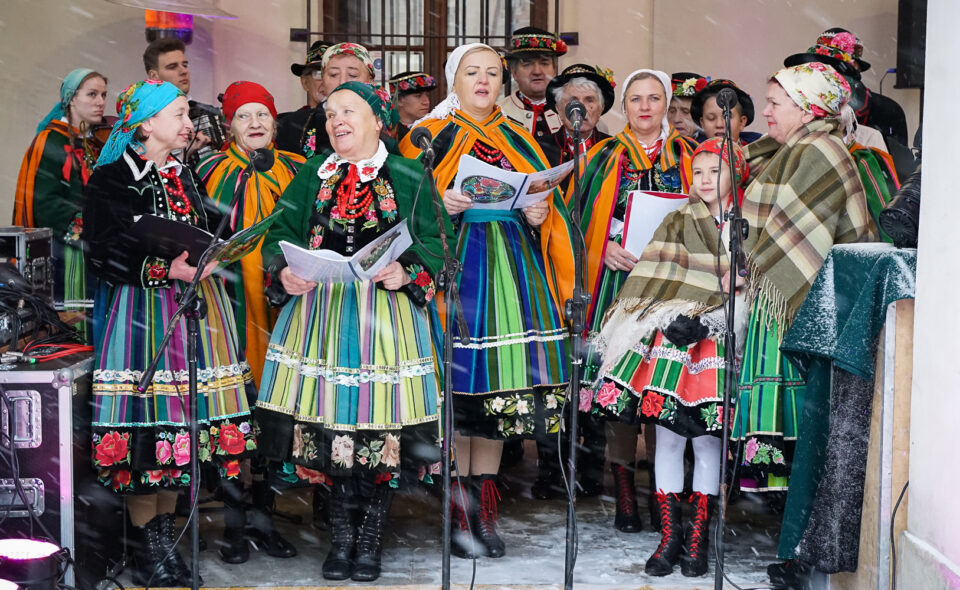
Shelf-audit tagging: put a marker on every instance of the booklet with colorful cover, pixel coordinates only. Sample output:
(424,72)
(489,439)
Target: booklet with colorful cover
(327,266)
(491,187)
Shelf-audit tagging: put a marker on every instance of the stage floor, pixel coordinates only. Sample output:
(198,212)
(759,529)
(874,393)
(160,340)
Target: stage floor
(534,534)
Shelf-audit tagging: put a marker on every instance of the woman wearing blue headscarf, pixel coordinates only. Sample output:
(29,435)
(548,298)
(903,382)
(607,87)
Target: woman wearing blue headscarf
(141,441)
(52,176)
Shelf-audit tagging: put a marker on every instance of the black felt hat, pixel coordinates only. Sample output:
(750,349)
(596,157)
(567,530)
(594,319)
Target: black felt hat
(603,78)
(314,58)
(531,41)
(713,88)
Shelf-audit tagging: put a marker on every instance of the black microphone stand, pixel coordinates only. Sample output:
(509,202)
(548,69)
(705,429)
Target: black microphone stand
(575,309)
(738,233)
(194,308)
(454,320)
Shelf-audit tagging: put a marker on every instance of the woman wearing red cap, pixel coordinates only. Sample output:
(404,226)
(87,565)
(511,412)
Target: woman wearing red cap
(250,111)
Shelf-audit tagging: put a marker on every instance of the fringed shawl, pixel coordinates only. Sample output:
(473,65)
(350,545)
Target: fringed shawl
(805,197)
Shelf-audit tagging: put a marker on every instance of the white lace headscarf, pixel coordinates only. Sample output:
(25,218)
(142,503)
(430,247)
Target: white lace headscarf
(451,103)
(667,90)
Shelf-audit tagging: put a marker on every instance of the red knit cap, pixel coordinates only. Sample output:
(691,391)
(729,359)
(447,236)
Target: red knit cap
(238,94)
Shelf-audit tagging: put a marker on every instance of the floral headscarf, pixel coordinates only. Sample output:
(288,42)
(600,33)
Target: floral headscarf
(358,51)
(816,88)
(137,103)
(69,87)
(376,97)
(716,145)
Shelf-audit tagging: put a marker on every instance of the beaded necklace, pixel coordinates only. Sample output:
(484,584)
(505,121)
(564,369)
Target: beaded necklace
(490,155)
(176,197)
(351,202)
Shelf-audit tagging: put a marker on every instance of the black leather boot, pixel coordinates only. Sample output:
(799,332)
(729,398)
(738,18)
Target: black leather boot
(671,536)
(260,527)
(693,562)
(626,520)
(590,464)
(375,510)
(463,535)
(168,535)
(152,567)
(338,564)
(233,547)
(486,522)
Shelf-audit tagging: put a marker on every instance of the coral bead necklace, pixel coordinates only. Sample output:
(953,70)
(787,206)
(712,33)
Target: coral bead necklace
(176,197)
(351,202)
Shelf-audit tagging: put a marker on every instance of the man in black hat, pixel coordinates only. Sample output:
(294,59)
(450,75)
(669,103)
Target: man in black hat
(592,86)
(410,92)
(709,116)
(532,60)
(685,85)
(290,124)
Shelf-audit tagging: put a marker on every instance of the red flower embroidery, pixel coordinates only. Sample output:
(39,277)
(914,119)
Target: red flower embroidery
(311,475)
(231,468)
(652,404)
(383,478)
(607,394)
(231,439)
(121,479)
(388,205)
(155,475)
(367,170)
(156,271)
(422,280)
(111,449)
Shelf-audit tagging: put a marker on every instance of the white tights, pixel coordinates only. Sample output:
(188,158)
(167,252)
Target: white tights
(668,466)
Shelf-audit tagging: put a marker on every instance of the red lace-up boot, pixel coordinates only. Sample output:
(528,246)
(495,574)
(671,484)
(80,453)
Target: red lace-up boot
(464,543)
(671,536)
(694,560)
(627,520)
(487,516)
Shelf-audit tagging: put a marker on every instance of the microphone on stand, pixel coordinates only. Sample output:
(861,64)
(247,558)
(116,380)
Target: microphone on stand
(727,98)
(261,159)
(575,112)
(423,139)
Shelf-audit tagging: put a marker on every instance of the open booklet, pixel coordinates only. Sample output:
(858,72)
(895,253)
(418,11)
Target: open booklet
(646,210)
(327,266)
(167,238)
(495,188)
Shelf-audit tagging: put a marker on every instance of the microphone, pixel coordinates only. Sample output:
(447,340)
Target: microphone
(261,159)
(575,112)
(423,139)
(726,98)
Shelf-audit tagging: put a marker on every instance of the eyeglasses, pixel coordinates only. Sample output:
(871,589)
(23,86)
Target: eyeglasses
(316,74)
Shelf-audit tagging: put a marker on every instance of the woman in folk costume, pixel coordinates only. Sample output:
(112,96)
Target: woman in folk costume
(805,196)
(647,155)
(351,388)
(54,171)
(141,441)
(250,111)
(662,345)
(509,378)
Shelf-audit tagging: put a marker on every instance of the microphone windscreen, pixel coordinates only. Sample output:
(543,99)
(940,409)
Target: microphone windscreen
(727,98)
(574,106)
(419,135)
(262,159)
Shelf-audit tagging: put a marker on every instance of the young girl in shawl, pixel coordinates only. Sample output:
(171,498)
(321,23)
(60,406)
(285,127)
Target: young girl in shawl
(54,171)
(668,369)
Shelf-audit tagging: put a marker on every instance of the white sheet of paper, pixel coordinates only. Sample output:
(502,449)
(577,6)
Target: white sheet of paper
(327,266)
(645,213)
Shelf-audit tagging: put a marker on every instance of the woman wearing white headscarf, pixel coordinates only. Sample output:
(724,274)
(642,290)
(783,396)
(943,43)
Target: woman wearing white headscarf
(648,155)
(509,378)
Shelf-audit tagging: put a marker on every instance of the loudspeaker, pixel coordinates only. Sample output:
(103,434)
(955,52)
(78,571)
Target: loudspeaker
(911,43)
(46,412)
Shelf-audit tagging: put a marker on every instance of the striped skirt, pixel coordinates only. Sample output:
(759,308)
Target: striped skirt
(352,375)
(509,378)
(608,285)
(141,441)
(658,382)
(771,396)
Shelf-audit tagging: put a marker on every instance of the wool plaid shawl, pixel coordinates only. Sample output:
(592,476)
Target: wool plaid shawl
(805,197)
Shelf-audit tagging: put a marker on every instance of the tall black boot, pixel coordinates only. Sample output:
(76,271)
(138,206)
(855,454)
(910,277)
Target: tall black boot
(260,526)
(626,520)
(463,534)
(338,564)
(693,562)
(671,537)
(487,515)
(370,534)
(233,548)
(549,483)
(150,553)
(168,536)
(590,465)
